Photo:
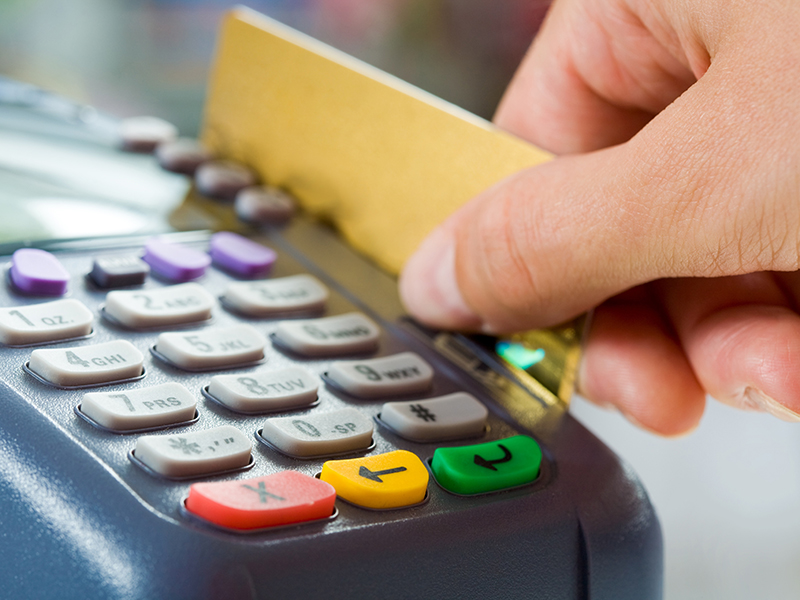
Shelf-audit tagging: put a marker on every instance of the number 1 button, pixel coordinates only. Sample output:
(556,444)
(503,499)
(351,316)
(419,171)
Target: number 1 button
(383,481)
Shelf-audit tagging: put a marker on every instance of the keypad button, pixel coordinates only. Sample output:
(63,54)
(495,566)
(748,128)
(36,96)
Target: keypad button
(223,179)
(183,155)
(87,365)
(194,453)
(261,204)
(298,293)
(119,271)
(487,467)
(265,391)
(383,481)
(38,272)
(141,408)
(319,434)
(160,307)
(395,375)
(213,348)
(175,262)
(351,333)
(268,501)
(46,322)
(143,134)
(446,417)
(240,256)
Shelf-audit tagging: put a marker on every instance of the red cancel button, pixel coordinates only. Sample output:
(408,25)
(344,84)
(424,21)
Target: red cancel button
(278,499)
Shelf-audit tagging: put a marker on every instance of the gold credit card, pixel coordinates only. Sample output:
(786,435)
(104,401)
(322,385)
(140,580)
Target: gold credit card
(382,160)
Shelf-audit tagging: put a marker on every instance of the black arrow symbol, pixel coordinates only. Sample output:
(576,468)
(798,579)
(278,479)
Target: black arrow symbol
(376,475)
(490,464)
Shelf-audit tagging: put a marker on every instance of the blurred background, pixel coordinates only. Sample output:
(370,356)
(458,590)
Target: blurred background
(133,57)
(727,495)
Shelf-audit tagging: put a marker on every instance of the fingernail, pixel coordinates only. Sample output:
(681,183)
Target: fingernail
(759,400)
(429,288)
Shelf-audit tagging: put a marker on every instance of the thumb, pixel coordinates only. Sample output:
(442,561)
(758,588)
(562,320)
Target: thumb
(706,189)
(537,248)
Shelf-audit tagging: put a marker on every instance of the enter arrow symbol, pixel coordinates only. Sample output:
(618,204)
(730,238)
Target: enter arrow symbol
(490,464)
(376,475)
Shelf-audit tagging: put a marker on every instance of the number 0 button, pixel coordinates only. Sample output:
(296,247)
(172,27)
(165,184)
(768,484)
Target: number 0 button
(488,467)
(319,434)
(383,481)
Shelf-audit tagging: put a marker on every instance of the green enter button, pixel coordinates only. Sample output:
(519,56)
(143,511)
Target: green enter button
(487,467)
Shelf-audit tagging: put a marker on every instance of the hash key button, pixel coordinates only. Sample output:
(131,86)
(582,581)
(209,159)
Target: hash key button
(319,434)
(194,453)
(488,467)
(383,481)
(214,348)
(142,408)
(45,322)
(87,365)
(446,417)
(278,499)
(350,333)
(404,373)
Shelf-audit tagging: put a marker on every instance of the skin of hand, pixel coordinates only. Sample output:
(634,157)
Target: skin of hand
(673,207)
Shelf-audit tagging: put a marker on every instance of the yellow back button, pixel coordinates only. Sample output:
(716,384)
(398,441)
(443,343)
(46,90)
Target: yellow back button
(390,480)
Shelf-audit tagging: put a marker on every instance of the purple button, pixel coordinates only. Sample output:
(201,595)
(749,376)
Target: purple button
(175,262)
(239,255)
(35,271)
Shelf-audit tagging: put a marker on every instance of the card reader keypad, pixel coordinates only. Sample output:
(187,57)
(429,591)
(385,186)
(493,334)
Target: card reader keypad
(242,350)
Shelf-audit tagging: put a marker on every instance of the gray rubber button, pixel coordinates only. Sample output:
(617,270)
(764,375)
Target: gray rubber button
(160,307)
(213,348)
(183,155)
(396,375)
(195,453)
(350,333)
(45,322)
(266,390)
(263,204)
(319,434)
(446,417)
(141,408)
(298,293)
(223,179)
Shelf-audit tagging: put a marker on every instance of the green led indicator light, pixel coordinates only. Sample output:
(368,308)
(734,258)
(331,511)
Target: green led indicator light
(518,355)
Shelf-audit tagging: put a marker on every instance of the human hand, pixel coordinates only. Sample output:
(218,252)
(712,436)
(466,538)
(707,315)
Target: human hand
(674,207)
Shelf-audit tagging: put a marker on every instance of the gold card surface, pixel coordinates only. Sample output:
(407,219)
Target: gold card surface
(382,160)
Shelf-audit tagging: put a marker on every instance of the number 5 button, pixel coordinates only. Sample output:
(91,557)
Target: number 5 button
(383,481)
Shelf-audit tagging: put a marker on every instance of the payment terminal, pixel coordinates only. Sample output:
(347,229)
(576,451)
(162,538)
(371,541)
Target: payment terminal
(196,406)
